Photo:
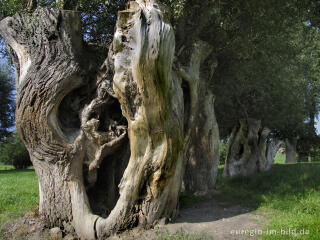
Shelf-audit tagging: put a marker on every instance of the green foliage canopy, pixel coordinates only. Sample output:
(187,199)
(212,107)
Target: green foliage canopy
(13,152)
(7,105)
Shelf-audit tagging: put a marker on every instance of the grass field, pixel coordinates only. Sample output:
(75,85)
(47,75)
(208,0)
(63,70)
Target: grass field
(290,192)
(18,192)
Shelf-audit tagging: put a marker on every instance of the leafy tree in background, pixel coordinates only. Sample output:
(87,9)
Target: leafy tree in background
(13,152)
(261,74)
(7,105)
(308,140)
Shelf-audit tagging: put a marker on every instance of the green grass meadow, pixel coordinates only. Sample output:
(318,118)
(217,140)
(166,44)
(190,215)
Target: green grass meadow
(18,192)
(289,194)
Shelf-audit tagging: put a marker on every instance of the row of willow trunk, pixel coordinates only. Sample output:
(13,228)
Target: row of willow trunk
(114,133)
(249,149)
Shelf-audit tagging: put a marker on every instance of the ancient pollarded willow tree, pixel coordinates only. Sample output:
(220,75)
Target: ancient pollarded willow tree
(108,133)
(249,149)
(201,140)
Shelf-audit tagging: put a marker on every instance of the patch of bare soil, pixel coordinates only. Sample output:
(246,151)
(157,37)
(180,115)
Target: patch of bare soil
(206,220)
(30,227)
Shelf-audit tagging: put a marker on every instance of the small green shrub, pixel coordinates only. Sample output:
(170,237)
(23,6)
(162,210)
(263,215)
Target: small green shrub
(13,152)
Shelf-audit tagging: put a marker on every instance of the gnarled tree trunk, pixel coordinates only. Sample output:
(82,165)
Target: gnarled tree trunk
(272,148)
(291,150)
(105,138)
(247,149)
(201,129)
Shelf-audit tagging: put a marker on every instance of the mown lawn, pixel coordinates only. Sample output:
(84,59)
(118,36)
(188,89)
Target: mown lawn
(291,193)
(18,192)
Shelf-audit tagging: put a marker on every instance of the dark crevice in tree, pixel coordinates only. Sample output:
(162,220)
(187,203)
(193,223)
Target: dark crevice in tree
(241,151)
(187,102)
(107,112)
(104,195)
(102,182)
(69,108)
(111,116)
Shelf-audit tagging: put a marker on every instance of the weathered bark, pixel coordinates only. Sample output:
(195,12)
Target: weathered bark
(99,172)
(272,149)
(291,150)
(247,149)
(144,47)
(201,128)
(48,69)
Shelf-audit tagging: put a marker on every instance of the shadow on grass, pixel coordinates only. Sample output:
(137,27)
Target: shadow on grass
(282,182)
(279,188)
(11,171)
(209,211)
